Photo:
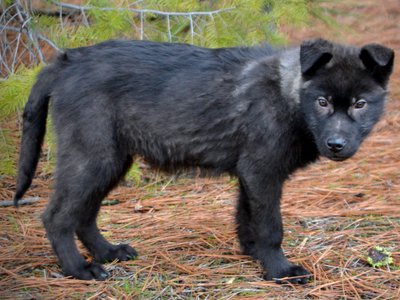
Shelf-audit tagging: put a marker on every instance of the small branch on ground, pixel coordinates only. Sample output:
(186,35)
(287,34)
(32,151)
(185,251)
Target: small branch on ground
(20,202)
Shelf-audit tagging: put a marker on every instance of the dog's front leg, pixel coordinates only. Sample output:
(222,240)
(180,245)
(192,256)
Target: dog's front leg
(260,194)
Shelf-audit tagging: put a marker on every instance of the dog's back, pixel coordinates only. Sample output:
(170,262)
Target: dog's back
(171,103)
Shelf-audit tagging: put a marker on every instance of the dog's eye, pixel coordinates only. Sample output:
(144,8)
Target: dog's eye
(360,104)
(322,102)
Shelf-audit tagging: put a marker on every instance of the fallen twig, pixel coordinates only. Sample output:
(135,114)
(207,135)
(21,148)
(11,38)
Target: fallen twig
(21,202)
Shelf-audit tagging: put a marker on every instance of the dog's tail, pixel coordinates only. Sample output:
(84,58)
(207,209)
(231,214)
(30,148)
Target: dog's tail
(34,129)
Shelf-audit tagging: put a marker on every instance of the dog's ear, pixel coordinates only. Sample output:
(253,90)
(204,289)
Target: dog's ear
(314,55)
(378,60)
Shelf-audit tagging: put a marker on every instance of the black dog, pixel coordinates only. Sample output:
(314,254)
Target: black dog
(257,113)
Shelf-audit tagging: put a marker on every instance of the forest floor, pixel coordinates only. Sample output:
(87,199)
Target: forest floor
(184,230)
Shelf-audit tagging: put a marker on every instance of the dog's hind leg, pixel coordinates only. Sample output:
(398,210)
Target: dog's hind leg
(89,234)
(82,180)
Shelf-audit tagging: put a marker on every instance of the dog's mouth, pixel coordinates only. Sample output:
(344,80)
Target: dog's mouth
(338,158)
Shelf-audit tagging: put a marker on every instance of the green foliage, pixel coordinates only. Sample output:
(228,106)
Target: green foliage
(50,142)
(44,23)
(242,23)
(134,174)
(379,257)
(247,23)
(7,3)
(15,90)
(218,30)
(104,25)
(14,93)
(7,150)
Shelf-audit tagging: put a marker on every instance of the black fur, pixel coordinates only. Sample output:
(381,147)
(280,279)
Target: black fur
(255,113)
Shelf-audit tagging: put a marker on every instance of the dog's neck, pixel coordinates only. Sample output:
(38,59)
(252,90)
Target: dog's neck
(290,75)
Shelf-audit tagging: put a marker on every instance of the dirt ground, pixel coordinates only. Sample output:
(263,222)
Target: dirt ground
(334,214)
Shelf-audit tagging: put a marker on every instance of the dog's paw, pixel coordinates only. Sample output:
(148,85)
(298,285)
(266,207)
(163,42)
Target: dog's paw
(292,274)
(120,252)
(88,271)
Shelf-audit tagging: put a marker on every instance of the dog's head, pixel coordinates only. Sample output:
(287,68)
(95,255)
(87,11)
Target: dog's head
(343,93)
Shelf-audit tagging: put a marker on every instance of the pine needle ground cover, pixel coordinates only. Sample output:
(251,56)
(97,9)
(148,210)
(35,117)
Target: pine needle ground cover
(338,218)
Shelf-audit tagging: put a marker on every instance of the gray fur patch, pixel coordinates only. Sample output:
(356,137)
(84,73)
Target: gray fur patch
(242,88)
(290,74)
(245,83)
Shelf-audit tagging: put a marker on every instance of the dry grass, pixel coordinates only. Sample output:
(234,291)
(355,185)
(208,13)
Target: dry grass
(334,213)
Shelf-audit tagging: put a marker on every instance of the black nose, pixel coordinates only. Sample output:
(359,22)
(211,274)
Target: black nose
(335,144)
